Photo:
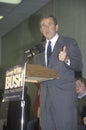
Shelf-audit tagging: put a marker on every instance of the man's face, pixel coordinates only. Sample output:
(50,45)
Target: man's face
(80,87)
(48,28)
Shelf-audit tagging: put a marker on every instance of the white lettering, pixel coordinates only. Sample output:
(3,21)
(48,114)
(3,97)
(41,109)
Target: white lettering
(14,81)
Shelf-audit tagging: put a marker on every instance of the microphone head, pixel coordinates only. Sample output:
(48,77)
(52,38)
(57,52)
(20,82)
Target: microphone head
(40,47)
(35,50)
(27,51)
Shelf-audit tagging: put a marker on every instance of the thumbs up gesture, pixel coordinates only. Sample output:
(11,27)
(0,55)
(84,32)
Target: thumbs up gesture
(63,54)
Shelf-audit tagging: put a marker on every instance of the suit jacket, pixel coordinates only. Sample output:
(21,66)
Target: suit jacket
(61,89)
(66,73)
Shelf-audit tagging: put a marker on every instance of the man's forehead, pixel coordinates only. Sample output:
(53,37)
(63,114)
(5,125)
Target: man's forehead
(47,19)
(79,83)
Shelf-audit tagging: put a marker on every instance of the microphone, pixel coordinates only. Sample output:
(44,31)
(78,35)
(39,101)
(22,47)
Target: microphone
(27,51)
(35,50)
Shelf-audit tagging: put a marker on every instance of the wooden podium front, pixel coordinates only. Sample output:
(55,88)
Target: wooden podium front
(37,73)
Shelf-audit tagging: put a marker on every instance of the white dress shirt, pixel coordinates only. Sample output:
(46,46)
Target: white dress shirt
(53,41)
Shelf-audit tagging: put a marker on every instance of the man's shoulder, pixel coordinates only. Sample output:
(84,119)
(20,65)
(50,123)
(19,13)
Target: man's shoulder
(69,39)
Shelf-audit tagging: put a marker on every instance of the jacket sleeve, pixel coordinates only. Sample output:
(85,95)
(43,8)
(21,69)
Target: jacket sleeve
(74,54)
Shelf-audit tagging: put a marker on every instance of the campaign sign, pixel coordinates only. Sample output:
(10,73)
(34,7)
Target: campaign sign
(14,83)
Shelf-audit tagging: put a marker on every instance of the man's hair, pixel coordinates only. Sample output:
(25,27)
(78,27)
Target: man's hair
(49,16)
(82,79)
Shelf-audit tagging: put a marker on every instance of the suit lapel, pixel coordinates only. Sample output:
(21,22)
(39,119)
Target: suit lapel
(57,48)
(59,45)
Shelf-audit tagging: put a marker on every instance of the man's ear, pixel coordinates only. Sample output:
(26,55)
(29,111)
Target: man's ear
(57,27)
(41,30)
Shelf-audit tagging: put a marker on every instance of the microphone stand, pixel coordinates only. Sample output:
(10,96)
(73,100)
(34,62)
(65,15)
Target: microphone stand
(23,100)
(30,53)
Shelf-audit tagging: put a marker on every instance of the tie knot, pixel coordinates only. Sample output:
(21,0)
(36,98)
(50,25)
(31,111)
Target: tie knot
(49,42)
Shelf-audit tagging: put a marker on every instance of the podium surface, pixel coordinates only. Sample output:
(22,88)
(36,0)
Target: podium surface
(37,73)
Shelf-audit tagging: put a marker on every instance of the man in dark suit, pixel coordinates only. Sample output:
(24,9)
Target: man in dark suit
(58,96)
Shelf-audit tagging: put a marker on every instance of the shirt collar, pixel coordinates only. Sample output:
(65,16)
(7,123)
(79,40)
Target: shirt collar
(53,40)
(81,96)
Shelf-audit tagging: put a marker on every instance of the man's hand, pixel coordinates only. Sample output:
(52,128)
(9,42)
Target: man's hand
(63,54)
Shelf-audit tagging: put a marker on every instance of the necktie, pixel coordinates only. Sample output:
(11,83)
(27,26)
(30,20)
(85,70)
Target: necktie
(49,51)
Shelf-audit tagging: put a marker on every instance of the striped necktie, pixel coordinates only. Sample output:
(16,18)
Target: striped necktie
(49,52)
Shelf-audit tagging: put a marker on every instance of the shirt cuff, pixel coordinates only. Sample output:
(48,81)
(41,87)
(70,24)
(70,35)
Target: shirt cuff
(68,62)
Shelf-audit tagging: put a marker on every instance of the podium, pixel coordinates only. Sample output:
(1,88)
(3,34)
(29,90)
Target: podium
(37,73)
(17,76)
